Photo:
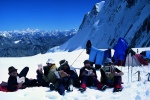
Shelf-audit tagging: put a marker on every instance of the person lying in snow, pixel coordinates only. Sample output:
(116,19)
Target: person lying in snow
(19,81)
(88,76)
(3,87)
(72,78)
(45,78)
(111,76)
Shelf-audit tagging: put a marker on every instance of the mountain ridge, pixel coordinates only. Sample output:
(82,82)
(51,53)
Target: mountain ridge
(30,42)
(108,21)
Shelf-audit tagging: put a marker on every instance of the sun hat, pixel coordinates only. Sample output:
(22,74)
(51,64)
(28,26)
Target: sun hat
(11,69)
(51,61)
(108,60)
(63,62)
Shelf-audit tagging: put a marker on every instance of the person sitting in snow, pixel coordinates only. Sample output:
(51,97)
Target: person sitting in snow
(52,78)
(111,76)
(19,81)
(45,78)
(58,82)
(72,78)
(88,76)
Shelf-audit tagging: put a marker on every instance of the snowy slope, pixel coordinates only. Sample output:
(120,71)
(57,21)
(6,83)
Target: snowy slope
(133,90)
(111,19)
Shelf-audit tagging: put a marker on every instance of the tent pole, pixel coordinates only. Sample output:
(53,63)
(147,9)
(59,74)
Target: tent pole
(128,68)
(131,68)
(77,57)
(121,65)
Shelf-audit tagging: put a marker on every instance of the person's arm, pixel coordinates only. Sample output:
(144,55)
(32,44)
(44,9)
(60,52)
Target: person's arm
(94,72)
(12,84)
(49,76)
(73,74)
(118,72)
(46,70)
(103,76)
(59,68)
(82,72)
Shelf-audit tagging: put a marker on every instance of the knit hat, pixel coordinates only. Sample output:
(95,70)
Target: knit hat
(108,60)
(63,62)
(51,61)
(11,69)
(87,62)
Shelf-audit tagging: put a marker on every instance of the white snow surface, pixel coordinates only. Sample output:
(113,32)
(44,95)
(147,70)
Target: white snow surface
(132,89)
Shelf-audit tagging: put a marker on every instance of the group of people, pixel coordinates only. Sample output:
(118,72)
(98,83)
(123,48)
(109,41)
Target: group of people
(65,77)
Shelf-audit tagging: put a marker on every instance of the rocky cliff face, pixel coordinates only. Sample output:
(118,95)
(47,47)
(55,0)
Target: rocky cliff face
(111,19)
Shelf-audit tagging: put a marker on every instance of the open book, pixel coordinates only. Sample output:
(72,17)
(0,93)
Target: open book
(88,72)
(40,67)
(108,69)
(20,79)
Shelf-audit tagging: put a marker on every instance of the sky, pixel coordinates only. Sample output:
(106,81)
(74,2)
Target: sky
(132,89)
(43,14)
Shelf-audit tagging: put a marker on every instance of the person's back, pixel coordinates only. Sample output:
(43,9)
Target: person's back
(12,81)
(48,76)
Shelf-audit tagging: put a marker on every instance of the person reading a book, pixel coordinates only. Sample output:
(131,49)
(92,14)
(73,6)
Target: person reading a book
(88,76)
(19,80)
(111,76)
(45,73)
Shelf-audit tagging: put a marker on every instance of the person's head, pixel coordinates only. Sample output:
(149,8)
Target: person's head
(12,71)
(108,62)
(64,64)
(50,62)
(87,63)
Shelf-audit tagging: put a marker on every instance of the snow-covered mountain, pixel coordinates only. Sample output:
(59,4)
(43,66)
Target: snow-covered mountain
(110,20)
(31,42)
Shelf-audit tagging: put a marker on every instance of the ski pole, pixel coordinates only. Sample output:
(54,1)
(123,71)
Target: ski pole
(148,74)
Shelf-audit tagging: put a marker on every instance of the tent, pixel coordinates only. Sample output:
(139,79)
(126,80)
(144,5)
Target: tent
(121,55)
(132,61)
(135,60)
(141,60)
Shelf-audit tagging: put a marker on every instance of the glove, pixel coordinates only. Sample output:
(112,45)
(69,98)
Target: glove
(63,74)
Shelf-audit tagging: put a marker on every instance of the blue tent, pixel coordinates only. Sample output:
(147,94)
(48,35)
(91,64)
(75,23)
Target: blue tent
(120,50)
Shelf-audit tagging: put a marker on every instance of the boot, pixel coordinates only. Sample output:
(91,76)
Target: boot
(70,88)
(117,88)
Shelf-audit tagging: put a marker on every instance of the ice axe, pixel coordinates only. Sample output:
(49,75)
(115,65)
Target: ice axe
(139,78)
(148,76)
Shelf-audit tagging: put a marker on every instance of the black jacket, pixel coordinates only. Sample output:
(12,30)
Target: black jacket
(85,68)
(73,75)
(12,83)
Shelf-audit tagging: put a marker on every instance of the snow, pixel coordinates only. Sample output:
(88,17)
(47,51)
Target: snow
(133,89)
